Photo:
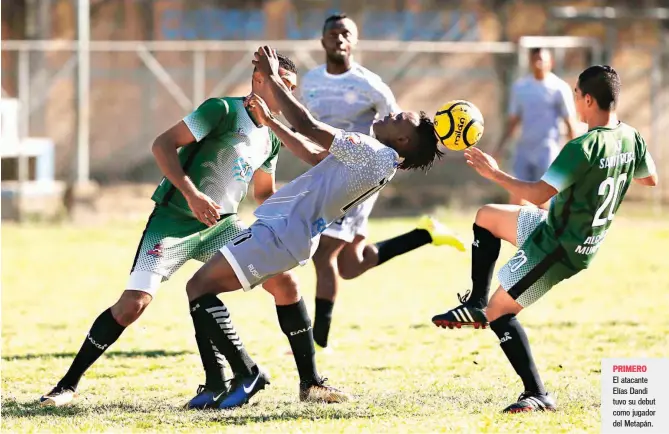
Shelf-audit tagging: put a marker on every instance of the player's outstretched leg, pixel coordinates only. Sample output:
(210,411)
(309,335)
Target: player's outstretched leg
(428,230)
(296,325)
(106,329)
(513,340)
(493,222)
(327,285)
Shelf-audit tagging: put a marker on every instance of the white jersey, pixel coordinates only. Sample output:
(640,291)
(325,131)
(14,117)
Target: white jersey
(350,101)
(358,166)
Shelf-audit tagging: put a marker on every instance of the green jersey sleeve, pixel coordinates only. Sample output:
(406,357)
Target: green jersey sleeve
(645,166)
(269,166)
(206,117)
(571,163)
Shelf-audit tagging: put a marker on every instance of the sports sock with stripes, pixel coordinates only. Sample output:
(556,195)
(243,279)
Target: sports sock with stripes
(212,361)
(485,251)
(322,321)
(296,325)
(104,332)
(402,244)
(212,319)
(514,343)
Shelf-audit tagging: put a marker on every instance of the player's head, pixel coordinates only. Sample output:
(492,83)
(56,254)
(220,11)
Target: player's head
(597,89)
(541,62)
(411,135)
(287,72)
(340,34)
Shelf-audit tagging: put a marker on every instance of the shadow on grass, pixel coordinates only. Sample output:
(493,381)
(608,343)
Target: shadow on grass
(112,354)
(15,409)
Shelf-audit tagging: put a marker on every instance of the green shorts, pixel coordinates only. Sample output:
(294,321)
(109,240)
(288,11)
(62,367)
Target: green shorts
(533,270)
(170,239)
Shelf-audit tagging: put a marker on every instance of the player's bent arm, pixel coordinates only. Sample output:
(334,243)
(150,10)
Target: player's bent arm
(648,181)
(300,146)
(537,193)
(164,150)
(299,117)
(264,185)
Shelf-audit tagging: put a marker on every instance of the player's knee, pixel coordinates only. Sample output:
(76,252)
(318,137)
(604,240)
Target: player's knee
(283,288)
(198,285)
(130,307)
(485,217)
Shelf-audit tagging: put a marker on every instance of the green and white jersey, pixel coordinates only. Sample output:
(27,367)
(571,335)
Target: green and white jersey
(229,148)
(591,174)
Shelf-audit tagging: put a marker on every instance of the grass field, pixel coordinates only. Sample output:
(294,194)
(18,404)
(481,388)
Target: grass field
(406,374)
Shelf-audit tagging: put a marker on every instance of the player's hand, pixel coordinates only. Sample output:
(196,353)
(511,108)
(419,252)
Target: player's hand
(266,61)
(260,111)
(204,208)
(484,164)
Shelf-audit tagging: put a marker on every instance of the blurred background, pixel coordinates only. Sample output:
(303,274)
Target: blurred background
(88,85)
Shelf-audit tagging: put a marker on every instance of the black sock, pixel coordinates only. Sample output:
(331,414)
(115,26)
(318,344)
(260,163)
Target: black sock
(296,325)
(212,361)
(211,318)
(322,321)
(514,343)
(104,332)
(485,251)
(401,244)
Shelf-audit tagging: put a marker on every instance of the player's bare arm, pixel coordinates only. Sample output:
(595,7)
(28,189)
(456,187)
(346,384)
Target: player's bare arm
(165,152)
(264,185)
(536,192)
(299,145)
(648,181)
(296,114)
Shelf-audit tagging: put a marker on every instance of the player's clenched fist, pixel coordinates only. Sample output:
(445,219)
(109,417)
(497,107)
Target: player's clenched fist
(203,207)
(259,109)
(266,61)
(484,164)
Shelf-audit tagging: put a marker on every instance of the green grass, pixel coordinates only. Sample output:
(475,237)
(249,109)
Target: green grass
(406,374)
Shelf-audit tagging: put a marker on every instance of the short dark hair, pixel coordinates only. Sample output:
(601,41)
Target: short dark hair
(332,18)
(602,83)
(536,50)
(427,149)
(286,63)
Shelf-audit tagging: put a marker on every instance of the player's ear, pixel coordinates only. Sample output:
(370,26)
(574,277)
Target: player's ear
(258,78)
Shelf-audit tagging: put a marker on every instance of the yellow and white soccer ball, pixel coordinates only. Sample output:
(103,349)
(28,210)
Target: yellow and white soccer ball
(458,124)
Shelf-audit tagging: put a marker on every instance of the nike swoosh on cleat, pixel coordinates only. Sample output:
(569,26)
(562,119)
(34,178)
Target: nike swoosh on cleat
(250,388)
(218,396)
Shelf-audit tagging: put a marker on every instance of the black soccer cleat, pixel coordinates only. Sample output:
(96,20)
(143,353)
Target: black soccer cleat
(465,315)
(532,401)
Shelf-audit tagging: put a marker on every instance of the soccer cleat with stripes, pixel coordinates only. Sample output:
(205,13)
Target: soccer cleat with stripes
(465,315)
(441,235)
(320,392)
(58,397)
(532,401)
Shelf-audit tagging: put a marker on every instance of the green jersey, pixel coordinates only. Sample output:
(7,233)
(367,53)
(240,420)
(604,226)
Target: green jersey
(591,174)
(229,147)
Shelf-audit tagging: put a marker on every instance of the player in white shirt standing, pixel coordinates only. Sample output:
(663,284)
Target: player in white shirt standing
(344,94)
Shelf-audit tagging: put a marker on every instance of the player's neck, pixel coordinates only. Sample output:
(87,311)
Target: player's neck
(540,76)
(338,68)
(603,119)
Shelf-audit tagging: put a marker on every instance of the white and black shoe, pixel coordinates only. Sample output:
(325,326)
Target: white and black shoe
(532,401)
(465,315)
(58,397)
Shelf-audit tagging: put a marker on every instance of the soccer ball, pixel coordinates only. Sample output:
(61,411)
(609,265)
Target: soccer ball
(458,124)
